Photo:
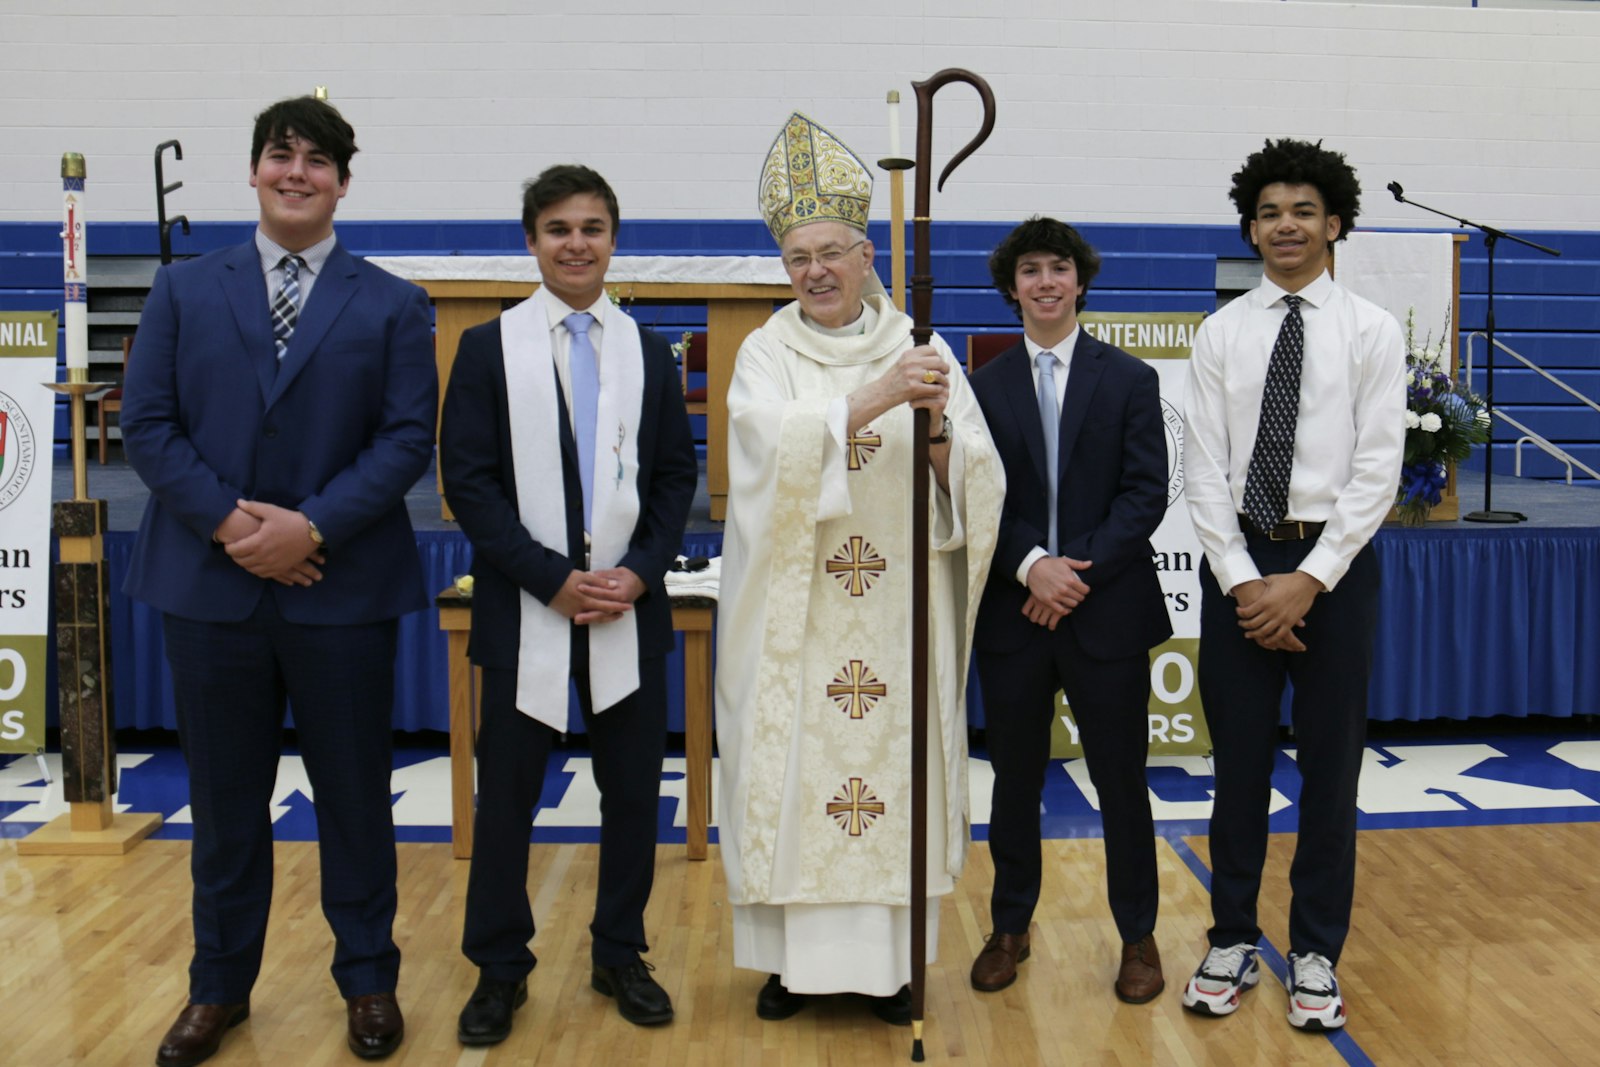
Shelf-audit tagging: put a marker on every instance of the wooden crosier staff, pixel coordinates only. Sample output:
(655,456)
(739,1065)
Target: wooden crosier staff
(921,333)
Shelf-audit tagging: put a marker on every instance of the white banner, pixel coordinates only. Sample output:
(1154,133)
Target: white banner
(1177,725)
(27,432)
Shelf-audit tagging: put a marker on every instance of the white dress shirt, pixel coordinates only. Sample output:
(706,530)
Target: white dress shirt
(1063,354)
(1348,441)
(556,310)
(272,253)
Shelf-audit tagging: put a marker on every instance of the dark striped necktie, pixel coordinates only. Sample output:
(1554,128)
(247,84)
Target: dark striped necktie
(1266,483)
(286,305)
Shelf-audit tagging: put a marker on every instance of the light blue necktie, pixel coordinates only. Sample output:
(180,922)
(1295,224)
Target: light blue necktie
(1050,422)
(585,373)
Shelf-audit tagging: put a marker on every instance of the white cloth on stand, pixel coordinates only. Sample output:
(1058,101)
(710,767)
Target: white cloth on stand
(1404,272)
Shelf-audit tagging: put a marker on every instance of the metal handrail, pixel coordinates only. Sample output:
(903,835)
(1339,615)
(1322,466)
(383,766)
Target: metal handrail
(1544,444)
(164,225)
(1530,364)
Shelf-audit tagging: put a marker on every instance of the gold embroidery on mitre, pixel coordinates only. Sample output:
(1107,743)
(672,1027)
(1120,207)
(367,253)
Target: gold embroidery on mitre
(856,689)
(857,565)
(861,445)
(812,176)
(855,806)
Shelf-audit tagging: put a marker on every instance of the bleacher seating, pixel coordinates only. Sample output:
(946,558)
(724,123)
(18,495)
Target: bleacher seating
(1547,309)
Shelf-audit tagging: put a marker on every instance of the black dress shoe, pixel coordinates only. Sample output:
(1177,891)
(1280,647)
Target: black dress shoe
(895,1010)
(640,999)
(486,1020)
(197,1033)
(374,1025)
(775,1002)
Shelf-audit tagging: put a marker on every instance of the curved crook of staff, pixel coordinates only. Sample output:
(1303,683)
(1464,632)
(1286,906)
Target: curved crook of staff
(921,332)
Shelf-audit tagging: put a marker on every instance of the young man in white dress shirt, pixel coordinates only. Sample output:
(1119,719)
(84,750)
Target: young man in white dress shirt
(1292,447)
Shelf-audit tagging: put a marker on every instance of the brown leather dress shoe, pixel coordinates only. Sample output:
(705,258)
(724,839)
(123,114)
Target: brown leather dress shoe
(996,966)
(376,1026)
(1140,981)
(197,1033)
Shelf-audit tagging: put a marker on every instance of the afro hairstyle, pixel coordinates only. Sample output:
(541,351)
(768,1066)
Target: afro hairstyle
(1297,163)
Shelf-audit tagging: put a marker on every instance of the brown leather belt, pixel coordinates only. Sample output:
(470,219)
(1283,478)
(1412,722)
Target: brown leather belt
(1292,530)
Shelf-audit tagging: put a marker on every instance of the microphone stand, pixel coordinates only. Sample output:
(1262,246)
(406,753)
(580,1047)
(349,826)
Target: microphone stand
(1491,237)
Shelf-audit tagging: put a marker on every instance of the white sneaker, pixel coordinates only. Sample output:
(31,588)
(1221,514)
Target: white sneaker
(1314,1000)
(1223,975)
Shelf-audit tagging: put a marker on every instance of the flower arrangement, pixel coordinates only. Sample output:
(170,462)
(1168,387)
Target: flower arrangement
(1444,419)
(680,352)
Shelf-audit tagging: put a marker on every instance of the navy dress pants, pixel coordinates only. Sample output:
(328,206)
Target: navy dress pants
(627,743)
(1241,687)
(230,683)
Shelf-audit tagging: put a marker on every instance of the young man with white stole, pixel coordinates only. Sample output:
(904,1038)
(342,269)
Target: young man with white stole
(568,461)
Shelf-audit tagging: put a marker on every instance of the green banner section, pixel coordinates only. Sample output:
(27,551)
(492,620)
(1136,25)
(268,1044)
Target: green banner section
(1146,334)
(28,334)
(22,677)
(1177,725)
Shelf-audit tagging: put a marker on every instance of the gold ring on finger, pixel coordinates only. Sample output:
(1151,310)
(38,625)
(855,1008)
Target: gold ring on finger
(930,377)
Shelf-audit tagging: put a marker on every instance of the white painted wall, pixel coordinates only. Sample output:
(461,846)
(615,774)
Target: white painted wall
(1109,110)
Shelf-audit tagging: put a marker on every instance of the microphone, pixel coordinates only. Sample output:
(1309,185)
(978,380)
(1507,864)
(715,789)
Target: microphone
(1399,193)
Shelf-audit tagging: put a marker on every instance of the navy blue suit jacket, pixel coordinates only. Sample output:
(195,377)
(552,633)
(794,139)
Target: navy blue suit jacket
(340,430)
(480,484)
(1111,496)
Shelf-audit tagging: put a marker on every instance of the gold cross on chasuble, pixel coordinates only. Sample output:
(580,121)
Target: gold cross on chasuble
(857,565)
(856,689)
(854,807)
(861,447)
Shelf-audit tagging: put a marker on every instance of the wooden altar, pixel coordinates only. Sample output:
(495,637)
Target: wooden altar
(733,311)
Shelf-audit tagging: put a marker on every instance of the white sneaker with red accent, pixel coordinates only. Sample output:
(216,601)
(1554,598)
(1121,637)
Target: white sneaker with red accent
(1223,975)
(1314,1000)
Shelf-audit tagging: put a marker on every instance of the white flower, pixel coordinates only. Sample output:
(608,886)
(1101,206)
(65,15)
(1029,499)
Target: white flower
(1430,422)
(1412,422)
(1411,378)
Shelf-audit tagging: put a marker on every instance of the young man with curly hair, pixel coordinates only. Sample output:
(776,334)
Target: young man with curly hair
(1292,445)
(1073,601)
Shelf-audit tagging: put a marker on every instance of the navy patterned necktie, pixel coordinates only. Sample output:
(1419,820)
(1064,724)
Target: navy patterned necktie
(286,305)
(1266,484)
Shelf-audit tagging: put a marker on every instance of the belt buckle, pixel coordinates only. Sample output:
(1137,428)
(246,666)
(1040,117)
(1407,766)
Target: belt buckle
(1283,528)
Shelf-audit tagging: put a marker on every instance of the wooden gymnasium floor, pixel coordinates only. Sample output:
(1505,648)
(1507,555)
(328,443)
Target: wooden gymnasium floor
(1472,945)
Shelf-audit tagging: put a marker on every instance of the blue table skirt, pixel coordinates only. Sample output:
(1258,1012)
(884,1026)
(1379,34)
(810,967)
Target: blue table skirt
(143,684)
(1475,622)
(1488,621)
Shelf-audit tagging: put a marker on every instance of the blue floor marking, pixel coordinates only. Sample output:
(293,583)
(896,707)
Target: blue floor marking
(1341,1040)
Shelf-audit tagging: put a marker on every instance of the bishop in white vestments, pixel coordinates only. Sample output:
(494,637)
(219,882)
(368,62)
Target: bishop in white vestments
(813,666)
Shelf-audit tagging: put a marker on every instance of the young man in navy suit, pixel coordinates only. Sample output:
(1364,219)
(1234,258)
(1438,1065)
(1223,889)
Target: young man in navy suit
(280,402)
(575,499)
(1073,601)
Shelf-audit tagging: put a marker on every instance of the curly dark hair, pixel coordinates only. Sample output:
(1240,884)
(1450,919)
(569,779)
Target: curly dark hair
(1040,234)
(1297,163)
(309,119)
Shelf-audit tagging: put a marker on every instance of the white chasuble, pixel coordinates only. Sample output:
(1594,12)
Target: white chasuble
(533,395)
(814,653)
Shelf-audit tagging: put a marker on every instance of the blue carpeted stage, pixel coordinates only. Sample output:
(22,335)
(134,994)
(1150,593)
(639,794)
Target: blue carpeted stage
(1477,620)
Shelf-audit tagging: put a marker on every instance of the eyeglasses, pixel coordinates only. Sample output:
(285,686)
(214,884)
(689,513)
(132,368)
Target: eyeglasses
(828,257)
